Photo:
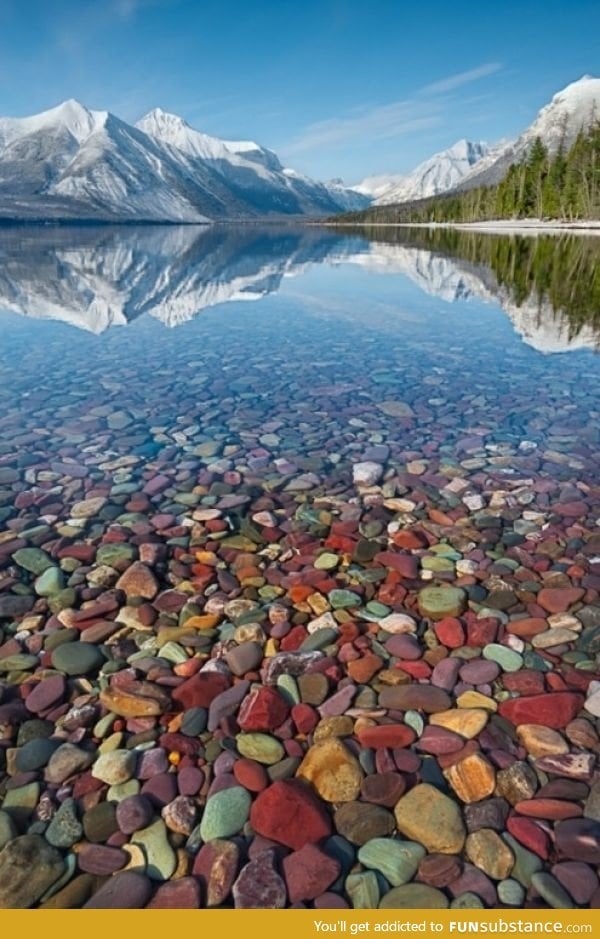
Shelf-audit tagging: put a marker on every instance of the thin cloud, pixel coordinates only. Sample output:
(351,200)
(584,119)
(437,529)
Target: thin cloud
(424,110)
(461,78)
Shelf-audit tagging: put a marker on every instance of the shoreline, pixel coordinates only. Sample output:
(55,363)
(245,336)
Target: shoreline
(501,226)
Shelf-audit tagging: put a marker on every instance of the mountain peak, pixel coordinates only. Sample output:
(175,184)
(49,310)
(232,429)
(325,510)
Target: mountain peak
(161,120)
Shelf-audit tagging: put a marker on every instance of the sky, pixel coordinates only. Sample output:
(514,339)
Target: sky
(338,88)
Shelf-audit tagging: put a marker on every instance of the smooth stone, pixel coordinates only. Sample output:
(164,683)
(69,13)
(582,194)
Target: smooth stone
(429,817)
(216,867)
(35,754)
(65,762)
(363,890)
(8,829)
(359,822)
(438,602)
(486,850)
(467,722)
(507,659)
(29,866)
(225,813)
(134,813)
(309,872)
(551,891)
(115,767)
(511,892)
(426,698)
(579,839)
(127,890)
(414,897)
(161,860)
(472,778)
(260,747)
(398,861)
(77,658)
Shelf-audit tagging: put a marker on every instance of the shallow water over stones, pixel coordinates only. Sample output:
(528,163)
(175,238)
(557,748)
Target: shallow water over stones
(270,580)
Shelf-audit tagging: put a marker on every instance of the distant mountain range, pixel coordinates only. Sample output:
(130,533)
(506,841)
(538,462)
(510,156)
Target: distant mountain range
(73,163)
(467,165)
(440,173)
(95,279)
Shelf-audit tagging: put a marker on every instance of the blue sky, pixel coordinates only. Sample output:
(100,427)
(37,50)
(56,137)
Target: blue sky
(336,87)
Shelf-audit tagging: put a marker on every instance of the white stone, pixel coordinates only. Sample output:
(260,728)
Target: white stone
(398,623)
(367,474)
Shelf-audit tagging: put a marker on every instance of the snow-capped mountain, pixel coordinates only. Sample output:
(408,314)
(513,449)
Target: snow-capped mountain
(440,173)
(574,108)
(74,163)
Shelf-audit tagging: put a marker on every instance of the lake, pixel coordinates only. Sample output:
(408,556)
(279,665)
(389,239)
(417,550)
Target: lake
(300,502)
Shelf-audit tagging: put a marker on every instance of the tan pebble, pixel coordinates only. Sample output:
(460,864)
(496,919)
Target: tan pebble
(487,851)
(541,741)
(472,779)
(342,726)
(468,722)
(474,699)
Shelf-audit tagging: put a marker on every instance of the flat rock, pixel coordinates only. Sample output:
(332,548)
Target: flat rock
(428,816)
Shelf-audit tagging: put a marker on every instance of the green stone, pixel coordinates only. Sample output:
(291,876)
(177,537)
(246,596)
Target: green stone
(7,829)
(414,897)
(161,859)
(363,890)
(21,802)
(77,658)
(507,659)
(33,560)
(396,860)
(552,891)
(526,862)
(115,554)
(437,564)
(260,747)
(19,662)
(50,582)
(319,639)
(225,813)
(327,561)
(288,686)
(467,901)
(511,892)
(438,602)
(344,599)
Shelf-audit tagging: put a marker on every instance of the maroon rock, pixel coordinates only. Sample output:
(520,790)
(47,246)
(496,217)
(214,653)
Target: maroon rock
(578,879)
(579,840)
(161,789)
(201,689)
(183,894)
(383,788)
(289,813)
(251,775)
(190,780)
(126,891)
(437,740)
(309,872)
(100,859)
(416,697)
(216,867)
(46,694)
(439,870)
(134,813)
(259,886)
(559,599)
(479,672)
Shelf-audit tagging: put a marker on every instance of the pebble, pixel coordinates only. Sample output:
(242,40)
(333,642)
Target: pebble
(225,813)
(333,770)
(429,817)
(397,861)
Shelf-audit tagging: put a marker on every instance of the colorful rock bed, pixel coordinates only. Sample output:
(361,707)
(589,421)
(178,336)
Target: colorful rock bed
(333,646)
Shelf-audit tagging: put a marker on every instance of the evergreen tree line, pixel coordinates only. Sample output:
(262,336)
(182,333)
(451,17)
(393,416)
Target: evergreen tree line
(565,185)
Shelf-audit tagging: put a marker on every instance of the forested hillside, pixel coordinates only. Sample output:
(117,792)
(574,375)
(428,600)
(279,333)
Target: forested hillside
(565,185)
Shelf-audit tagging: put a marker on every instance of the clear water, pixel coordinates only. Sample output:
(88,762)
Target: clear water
(222,335)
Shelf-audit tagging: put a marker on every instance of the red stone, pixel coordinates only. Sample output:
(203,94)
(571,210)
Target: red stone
(526,682)
(200,690)
(251,775)
(559,599)
(289,813)
(305,718)
(450,632)
(263,709)
(182,894)
(309,872)
(405,564)
(525,628)
(386,735)
(480,632)
(554,809)
(551,710)
(529,834)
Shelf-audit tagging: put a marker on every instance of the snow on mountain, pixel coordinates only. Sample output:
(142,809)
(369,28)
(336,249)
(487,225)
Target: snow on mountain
(441,172)
(570,110)
(70,162)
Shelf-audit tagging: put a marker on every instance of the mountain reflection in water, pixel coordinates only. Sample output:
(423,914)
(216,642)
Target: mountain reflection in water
(95,278)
